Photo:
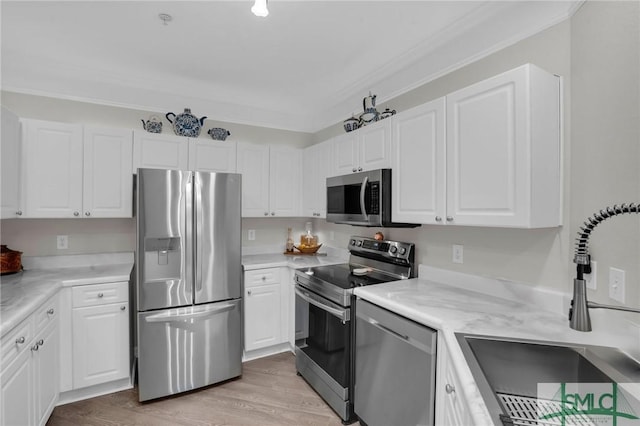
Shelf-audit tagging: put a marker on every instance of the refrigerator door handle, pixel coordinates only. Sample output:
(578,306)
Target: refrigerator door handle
(168,317)
(197,228)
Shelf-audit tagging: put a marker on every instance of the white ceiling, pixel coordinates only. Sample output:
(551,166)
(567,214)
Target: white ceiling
(304,67)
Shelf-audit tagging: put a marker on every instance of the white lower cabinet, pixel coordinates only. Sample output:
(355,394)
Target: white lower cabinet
(451,407)
(266,313)
(29,378)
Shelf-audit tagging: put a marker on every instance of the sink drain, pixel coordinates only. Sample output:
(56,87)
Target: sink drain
(525,411)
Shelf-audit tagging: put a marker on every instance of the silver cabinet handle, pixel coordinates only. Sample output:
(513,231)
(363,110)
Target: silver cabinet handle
(266,213)
(35,347)
(264,278)
(354,170)
(19,213)
(359,169)
(100,295)
(87,213)
(76,213)
(41,342)
(449,219)
(249,292)
(449,388)
(438,219)
(273,213)
(50,311)
(122,308)
(20,340)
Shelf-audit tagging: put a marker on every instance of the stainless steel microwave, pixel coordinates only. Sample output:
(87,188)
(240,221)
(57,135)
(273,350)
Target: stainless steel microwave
(362,199)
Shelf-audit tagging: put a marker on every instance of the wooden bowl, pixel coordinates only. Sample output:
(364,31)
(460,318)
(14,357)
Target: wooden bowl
(308,249)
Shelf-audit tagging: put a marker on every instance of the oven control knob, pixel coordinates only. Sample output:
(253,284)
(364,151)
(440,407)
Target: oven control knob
(359,243)
(353,242)
(403,250)
(393,249)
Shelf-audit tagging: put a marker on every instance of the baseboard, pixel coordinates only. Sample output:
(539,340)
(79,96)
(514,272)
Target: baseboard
(93,391)
(263,352)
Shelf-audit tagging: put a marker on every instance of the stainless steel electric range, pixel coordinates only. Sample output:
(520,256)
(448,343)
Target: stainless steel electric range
(324,307)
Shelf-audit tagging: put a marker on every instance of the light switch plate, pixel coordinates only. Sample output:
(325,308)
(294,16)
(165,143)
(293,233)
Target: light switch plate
(251,234)
(62,242)
(458,251)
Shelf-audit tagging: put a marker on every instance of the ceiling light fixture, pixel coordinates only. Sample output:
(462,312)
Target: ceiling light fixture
(259,8)
(165,17)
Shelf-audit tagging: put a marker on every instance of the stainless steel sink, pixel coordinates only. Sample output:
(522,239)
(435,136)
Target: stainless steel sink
(508,371)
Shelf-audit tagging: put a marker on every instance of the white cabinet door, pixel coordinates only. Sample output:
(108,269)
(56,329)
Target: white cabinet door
(52,169)
(206,155)
(46,373)
(262,317)
(503,151)
(158,151)
(100,344)
(284,181)
(108,181)
(10,166)
(374,143)
(253,164)
(16,391)
(345,153)
(316,161)
(418,162)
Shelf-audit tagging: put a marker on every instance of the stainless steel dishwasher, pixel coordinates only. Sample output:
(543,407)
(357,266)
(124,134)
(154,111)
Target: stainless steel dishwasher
(395,367)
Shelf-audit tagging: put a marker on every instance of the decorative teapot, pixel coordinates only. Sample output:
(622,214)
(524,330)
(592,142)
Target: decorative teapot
(370,113)
(186,124)
(386,113)
(153,124)
(351,124)
(218,133)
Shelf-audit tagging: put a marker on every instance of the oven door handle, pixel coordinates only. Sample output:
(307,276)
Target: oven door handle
(341,314)
(363,190)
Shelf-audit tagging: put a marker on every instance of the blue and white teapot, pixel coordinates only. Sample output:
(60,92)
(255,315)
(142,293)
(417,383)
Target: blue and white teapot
(370,113)
(186,124)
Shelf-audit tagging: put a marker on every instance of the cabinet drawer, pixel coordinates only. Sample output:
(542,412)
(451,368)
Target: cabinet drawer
(100,294)
(46,314)
(16,341)
(262,277)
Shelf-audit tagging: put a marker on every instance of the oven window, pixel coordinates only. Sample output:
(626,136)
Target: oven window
(325,339)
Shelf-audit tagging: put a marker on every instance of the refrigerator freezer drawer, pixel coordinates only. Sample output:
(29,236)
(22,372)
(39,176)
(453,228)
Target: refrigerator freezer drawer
(187,348)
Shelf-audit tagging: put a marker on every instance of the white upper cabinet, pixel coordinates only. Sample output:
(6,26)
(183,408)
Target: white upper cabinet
(270,180)
(316,163)
(165,151)
(367,148)
(108,182)
(10,167)
(70,172)
(503,151)
(208,155)
(418,155)
(52,172)
(158,151)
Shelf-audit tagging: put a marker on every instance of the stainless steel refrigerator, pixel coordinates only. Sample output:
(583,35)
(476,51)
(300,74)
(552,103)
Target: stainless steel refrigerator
(188,273)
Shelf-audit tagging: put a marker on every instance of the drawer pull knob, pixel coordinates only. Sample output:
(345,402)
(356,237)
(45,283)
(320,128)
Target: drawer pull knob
(100,295)
(50,311)
(122,308)
(449,388)
(41,342)
(87,213)
(75,214)
(264,278)
(19,212)
(438,219)
(20,340)
(35,347)
(249,292)
(449,219)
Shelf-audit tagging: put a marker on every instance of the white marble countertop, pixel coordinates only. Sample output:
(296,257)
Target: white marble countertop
(22,293)
(452,309)
(260,261)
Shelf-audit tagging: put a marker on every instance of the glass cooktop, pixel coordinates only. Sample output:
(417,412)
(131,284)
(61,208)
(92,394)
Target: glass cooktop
(342,275)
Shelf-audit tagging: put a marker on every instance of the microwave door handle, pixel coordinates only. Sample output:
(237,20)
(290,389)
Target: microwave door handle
(363,189)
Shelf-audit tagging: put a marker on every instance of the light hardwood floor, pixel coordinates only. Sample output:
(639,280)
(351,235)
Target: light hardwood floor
(268,393)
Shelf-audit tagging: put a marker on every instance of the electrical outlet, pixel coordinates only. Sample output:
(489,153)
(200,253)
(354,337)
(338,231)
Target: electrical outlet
(591,278)
(62,242)
(251,234)
(457,253)
(616,284)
